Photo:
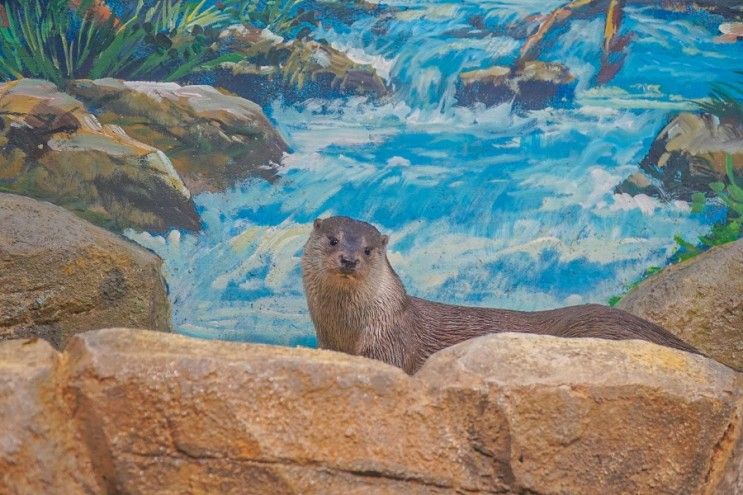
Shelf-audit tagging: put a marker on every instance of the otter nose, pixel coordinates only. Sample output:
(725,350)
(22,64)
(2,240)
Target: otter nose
(349,263)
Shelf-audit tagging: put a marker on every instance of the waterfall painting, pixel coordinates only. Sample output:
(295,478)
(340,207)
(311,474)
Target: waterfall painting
(520,154)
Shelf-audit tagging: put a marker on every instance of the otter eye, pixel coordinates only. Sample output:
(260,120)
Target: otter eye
(367,251)
(333,241)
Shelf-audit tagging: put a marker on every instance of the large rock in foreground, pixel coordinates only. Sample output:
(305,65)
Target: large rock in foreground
(588,416)
(700,301)
(535,85)
(52,148)
(60,275)
(214,140)
(41,450)
(686,157)
(501,414)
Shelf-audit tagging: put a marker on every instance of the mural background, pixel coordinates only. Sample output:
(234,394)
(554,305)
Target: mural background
(491,140)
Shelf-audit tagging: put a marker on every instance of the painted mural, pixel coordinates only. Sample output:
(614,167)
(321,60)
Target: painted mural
(520,154)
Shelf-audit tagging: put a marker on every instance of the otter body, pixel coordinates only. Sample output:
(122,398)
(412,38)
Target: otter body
(359,306)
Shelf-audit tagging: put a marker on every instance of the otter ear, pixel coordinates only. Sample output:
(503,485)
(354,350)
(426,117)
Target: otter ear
(385,240)
(318,222)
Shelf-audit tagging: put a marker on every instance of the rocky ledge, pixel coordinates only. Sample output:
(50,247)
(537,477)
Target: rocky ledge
(60,275)
(686,157)
(125,411)
(535,85)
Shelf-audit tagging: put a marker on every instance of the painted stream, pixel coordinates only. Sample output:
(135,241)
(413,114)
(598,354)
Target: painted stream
(483,206)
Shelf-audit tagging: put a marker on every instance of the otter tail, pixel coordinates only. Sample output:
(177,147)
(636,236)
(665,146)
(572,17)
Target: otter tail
(594,320)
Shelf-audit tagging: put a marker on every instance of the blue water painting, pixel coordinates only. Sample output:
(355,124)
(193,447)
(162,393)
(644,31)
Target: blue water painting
(489,206)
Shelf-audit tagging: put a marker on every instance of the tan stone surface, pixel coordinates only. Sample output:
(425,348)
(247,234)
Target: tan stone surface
(588,416)
(60,275)
(700,301)
(534,85)
(40,450)
(260,411)
(294,69)
(508,413)
(136,412)
(731,482)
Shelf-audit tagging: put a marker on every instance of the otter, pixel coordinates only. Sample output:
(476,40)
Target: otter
(359,305)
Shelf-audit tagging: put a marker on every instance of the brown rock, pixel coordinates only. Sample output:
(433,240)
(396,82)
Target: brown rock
(185,414)
(40,450)
(296,70)
(60,275)
(51,148)
(700,301)
(639,183)
(731,482)
(503,413)
(533,86)
(689,154)
(588,416)
(213,139)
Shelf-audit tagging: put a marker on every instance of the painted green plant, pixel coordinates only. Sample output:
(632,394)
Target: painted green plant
(174,36)
(286,18)
(731,195)
(36,41)
(725,102)
(731,229)
(49,40)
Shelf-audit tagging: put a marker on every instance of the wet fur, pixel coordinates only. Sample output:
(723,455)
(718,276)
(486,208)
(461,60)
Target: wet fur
(372,315)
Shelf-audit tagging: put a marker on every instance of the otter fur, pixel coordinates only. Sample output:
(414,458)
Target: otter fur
(359,305)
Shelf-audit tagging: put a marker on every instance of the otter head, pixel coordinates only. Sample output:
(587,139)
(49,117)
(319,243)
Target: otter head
(346,251)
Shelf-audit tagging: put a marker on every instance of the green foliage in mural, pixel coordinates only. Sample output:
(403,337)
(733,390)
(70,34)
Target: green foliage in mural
(287,18)
(731,195)
(730,229)
(725,102)
(169,39)
(49,40)
(34,40)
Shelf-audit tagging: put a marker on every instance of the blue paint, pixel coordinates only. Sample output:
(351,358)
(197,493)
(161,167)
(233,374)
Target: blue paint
(484,207)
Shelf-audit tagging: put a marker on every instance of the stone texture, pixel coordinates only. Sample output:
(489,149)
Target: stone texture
(503,413)
(52,148)
(179,413)
(40,449)
(60,275)
(592,416)
(127,411)
(533,86)
(687,155)
(700,301)
(731,482)
(213,140)
(270,67)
